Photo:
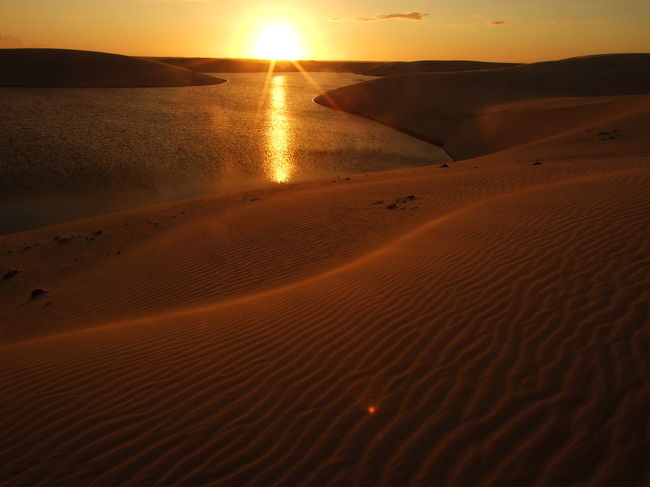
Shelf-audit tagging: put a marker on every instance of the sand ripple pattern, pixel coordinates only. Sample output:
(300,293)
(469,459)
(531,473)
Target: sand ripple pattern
(502,344)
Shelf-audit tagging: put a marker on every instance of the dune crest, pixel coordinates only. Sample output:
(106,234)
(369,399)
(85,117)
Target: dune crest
(64,68)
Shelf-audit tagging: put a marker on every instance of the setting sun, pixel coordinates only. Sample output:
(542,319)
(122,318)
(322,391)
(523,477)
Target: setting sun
(278,42)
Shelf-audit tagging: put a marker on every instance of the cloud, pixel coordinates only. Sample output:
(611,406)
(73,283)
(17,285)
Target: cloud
(494,23)
(7,41)
(406,16)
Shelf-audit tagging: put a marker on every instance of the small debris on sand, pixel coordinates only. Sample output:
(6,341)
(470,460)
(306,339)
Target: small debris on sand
(62,240)
(444,165)
(400,201)
(536,163)
(38,292)
(10,274)
(608,135)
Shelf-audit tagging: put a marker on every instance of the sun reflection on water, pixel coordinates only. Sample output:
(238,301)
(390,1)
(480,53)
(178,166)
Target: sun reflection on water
(279,165)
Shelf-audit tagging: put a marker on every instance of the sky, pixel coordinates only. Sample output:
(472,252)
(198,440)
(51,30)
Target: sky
(375,30)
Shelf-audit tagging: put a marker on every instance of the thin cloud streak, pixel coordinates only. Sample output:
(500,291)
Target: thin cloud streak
(378,17)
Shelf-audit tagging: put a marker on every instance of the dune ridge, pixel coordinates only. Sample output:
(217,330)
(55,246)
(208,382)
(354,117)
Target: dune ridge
(67,68)
(490,330)
(450,110)
(368,68)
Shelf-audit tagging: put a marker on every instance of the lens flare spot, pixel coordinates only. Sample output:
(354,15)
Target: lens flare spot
(372,409)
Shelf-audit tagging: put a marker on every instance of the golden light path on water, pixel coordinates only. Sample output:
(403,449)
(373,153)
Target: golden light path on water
(279,163)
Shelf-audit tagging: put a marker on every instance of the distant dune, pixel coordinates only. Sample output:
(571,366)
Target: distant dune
(474,113)
(389,69)
(213,65)
(86,69)
(369,68)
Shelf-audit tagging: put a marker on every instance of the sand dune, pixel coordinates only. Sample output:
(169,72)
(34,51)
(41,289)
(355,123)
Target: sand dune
(390,69)
(475,113)
(214,65)
(369,68)
(496,321)
(86,69)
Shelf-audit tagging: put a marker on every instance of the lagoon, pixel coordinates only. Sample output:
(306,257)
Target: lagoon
(71,153)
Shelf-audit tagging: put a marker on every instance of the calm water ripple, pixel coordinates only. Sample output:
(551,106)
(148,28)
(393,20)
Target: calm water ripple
(69,153)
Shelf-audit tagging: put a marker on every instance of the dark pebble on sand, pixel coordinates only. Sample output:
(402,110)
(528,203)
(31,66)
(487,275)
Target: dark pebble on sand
(444,165)
(10,274)
(38,292)
(392,206)
(536,163)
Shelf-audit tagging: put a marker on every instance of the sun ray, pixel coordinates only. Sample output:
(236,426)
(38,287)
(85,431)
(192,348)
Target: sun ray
(310,79)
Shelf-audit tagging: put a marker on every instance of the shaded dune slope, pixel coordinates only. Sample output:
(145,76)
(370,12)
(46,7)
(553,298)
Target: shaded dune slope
(390,69)
(475,113)
(87,69)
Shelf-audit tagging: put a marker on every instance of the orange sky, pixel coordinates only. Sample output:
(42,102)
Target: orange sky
(497,30)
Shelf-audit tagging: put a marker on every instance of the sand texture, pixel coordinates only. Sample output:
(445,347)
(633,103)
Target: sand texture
(481,324)
(64,68)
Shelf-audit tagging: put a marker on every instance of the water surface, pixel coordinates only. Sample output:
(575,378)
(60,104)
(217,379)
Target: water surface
(68,153)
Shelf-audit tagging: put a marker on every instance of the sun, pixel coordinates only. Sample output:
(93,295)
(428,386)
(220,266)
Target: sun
(278,42)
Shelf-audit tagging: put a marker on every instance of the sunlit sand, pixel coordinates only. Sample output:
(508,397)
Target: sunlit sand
(478,322)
